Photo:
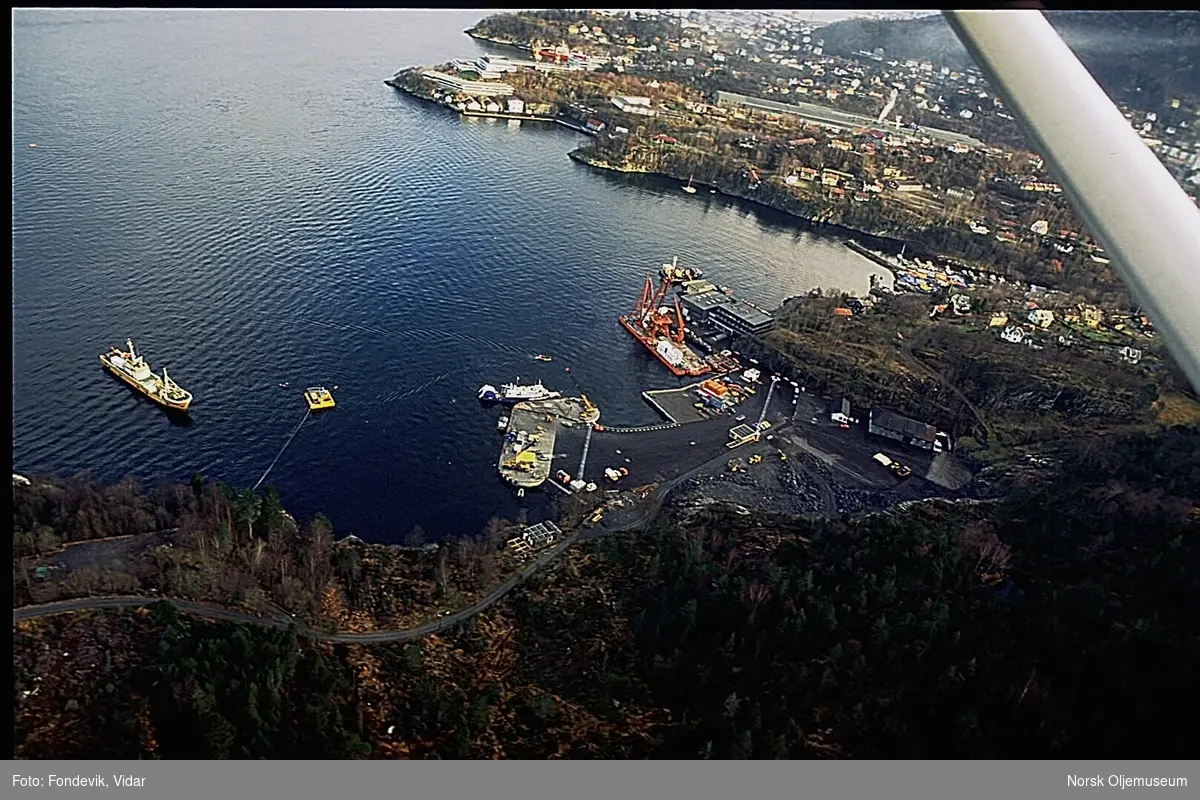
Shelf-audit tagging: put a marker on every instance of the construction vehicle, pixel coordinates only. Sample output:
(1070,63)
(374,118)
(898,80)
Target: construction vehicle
(782,456)
(900,470)
(735,465)
(588,406)
(522,461)
(755,459)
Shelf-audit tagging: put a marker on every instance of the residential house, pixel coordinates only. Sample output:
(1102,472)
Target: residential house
(1013,333)
(1042,317)
(635,105)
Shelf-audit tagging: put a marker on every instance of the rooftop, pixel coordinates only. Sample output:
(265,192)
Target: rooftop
(747,313)
(706,301)
(903,425)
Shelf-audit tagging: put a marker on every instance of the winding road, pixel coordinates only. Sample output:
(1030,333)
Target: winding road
(215,611)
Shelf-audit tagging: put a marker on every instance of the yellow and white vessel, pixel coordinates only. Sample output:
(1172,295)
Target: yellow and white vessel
(134,370)
(318,398)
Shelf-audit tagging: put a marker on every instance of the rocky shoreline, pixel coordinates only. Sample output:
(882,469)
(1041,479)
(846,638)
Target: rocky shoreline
(821,219)
(481,38)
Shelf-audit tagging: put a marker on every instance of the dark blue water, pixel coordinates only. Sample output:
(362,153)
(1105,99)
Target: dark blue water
(240,194)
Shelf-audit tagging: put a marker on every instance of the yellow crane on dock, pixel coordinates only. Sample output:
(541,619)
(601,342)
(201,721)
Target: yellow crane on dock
(588,405)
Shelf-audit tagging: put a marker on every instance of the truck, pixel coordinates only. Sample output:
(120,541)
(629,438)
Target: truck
(895,466)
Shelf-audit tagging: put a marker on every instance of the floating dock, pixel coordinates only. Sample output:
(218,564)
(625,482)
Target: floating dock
(527,455)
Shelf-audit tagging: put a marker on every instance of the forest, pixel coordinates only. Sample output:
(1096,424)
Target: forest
(242,549)
(1056,623)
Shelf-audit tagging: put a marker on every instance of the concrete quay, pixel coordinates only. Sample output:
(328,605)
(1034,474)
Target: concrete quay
(527,455)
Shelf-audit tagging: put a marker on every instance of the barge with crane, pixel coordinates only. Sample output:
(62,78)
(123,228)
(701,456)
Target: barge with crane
(662,331)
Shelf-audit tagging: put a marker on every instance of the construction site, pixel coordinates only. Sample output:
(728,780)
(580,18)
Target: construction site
(527,455)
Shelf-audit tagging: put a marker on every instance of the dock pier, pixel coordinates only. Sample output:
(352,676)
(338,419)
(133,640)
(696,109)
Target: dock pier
(587,442)
(527,455)
(881,260)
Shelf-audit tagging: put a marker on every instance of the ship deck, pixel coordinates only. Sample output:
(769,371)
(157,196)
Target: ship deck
(152,386)
(693,364)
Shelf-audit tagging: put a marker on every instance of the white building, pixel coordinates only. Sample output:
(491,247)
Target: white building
(475,88)
(1013,334)
(635,105)
(516,105)
(1041,317)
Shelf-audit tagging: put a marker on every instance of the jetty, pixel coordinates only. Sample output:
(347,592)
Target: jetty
(527,455)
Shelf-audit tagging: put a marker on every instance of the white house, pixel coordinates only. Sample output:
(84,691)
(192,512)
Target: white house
(1014,334)
(1130,354)
(1041,317)
(635,105)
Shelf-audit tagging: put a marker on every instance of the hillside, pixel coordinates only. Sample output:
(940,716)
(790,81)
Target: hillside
(1156,51)
(985,631)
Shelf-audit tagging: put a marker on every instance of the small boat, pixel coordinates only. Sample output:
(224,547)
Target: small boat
(503,423)
(679,274)
(318,398)
(543,357)
(689,188)
(284,385)
(135,370)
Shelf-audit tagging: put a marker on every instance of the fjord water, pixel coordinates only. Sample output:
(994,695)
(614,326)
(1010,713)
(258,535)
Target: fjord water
(239,193)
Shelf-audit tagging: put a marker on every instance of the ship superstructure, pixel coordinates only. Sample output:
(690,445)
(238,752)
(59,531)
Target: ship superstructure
(661,329)
(132,368)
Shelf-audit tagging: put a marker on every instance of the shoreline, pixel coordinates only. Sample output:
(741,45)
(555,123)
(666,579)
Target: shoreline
(481,38)
(490,114)
(578,156)
(601,164)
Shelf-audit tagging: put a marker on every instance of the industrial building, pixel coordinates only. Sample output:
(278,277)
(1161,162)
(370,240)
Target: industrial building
(829,117)
(727,313)
(699,306)
(903,429)
(474,88)
(739,317)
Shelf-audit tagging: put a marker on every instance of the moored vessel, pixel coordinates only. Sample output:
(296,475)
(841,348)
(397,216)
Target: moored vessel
(517,393)
(135,371)
(678,274)
(662,331)
(319,398)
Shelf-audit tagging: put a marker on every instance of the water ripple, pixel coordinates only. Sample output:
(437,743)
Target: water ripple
(253,207)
